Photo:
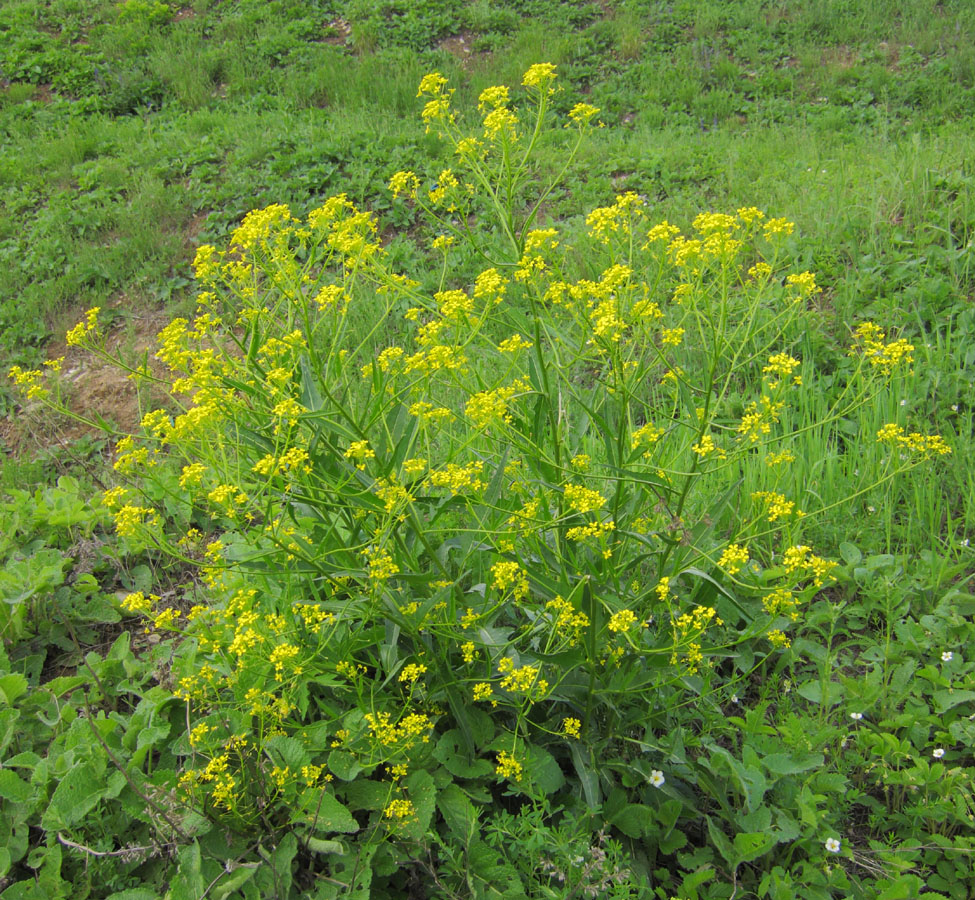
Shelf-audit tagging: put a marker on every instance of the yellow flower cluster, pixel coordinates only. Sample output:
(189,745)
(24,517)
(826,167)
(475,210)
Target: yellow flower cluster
(510,576)
(459,479)
(781,603)
(399,810)
(592,530)
(381,565)
(508,766)
(522,680)
(869,340)
(85,331)
(706,446)
(489,407)
(776,506)
(567,622)
(404,734)
(758,419)
(619,219)
(927,446)
(733,558)
(687,629)
(582,499)
(622,621)
(282,656)
(801,560)
(28,380)
(411,672)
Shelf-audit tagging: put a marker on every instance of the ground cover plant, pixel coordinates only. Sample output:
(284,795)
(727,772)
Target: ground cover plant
(485,533)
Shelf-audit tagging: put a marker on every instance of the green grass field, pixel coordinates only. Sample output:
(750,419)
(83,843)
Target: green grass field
(133,132)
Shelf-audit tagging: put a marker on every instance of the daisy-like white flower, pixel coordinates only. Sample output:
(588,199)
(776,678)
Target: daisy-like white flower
(856,716)
(832,845)
(947,656)
(657,778)
(938,752)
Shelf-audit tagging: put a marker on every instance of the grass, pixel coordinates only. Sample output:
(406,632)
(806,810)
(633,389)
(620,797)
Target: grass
(135,131)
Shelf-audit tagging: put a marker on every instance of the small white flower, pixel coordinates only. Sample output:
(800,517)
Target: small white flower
(856,716)
(832,845)
(954,407)
(947,656)
(903,403)
(734,698)
(871,509)
(657,778)
(964,542)
(938,752)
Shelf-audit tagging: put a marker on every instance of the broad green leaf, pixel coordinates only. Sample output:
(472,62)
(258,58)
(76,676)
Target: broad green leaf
(75,796)
(342,764)
(281,860)
(543,770)
(587,778)
(288,750)
(452,754)
(13,686)
(458,812)
(422,793)
(188,883)
(328,815)
(721,843)
(12,787)
(672,842)
(751,845)
(945,700)
(319,845)
(785,764)
(634,820)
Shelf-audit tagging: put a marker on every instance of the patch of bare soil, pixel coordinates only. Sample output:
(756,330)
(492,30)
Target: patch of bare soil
(460,46)
(101,398)
(338,31)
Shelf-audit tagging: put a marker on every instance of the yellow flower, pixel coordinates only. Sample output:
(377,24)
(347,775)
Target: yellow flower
(508,766)
(509,575)
(734,557)
(513,344)
(404,183)
(399,809)
(583,113)
(360,451)
(672,337)
(79,335)
(707,446)
(539,75)
(433,83)
(137,603)
(622,621)
(571,727)
(776,506)
(482,691)
(492,97)
(409,673)
(582,499)
(281,656)
(779,640)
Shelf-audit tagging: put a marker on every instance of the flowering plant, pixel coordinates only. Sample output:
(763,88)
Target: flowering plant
(466,543)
